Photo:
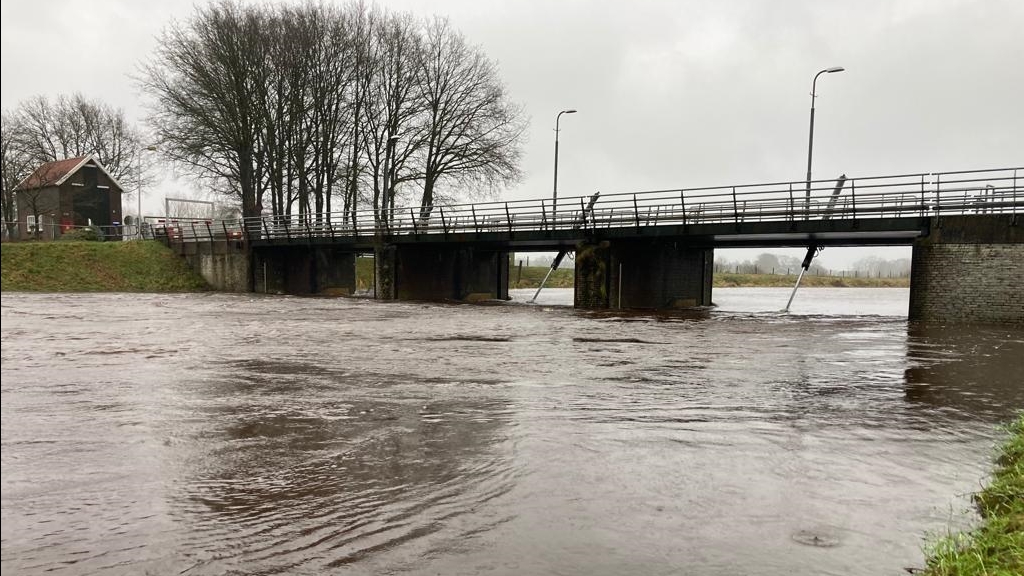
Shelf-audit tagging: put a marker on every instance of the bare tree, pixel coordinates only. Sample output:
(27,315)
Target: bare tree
(209,78)
(15,167)
(392,135)
(73,126)
(473,131)
(311,101)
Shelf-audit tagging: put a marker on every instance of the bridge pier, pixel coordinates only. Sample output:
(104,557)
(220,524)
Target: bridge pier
(303,270)
(223,264)
(643,274)
(433,272)
(969,269)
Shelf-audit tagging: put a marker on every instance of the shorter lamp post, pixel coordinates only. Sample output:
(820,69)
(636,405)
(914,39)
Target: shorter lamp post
(554,196)
(389,164)
(138,216)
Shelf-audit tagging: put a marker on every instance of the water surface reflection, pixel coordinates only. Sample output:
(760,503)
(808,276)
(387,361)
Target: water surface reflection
(211,434)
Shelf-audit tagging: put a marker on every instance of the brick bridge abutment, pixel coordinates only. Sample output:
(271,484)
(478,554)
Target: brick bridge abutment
(969,269)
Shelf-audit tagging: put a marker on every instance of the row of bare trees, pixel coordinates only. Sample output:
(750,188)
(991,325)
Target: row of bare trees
(318,108)
(41,130)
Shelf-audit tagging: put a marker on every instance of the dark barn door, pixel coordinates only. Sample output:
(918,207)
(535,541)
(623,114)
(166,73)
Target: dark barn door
(91,202)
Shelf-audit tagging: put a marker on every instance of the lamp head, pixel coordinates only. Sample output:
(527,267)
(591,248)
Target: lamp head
(834,69)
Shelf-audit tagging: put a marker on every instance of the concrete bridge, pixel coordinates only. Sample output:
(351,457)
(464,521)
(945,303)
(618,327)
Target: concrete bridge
(651,249)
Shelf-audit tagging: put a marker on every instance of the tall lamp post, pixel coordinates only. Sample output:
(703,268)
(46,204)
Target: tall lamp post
(810,138)
(554,196)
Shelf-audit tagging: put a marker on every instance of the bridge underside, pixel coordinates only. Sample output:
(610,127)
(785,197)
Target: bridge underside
(652,267)
(642,274)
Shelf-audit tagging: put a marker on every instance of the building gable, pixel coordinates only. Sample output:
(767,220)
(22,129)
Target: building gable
(58,172)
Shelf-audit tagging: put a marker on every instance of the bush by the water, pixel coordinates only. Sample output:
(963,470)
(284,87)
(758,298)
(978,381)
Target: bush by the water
(87,234)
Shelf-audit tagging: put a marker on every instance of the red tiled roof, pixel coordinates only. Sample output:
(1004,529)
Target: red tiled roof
(50,174)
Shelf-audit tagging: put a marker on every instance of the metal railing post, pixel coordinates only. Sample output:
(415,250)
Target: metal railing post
(923,207)
(508,218)
(682,203)
(792,208)
(735,208)
(636,212)
(853,196)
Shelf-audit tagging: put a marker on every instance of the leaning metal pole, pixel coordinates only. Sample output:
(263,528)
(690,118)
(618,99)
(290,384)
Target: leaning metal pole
(795,287)
(813,248)
(554,266)
(561,253)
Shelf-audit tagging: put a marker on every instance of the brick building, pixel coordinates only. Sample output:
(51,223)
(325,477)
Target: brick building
(61,195)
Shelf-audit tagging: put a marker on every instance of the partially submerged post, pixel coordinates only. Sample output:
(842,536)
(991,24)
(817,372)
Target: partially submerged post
(561,253)
(803,268)
(813,249)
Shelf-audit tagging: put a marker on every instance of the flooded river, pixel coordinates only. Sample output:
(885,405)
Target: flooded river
(236,434)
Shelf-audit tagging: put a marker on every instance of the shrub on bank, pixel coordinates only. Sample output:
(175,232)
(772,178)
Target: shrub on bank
(89,234)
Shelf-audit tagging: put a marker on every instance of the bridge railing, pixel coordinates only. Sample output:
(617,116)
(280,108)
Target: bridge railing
(908,195)
(197,229)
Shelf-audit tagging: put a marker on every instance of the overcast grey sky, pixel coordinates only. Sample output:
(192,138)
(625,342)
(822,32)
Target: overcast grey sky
(670,93)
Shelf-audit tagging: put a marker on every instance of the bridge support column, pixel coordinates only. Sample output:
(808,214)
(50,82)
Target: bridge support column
(304,270)
(643,274)
(969,269)
(443,273)
(225,265)
(384,265)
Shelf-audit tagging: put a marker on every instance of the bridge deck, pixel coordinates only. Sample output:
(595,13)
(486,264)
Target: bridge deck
(863,211)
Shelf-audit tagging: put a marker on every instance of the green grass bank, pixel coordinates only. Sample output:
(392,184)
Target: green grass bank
(996,548)
(729,279)
(531,277)
(141,266)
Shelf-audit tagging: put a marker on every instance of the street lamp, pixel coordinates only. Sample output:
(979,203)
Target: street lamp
(138,216)
(389,165)
(554,196)
(810,139)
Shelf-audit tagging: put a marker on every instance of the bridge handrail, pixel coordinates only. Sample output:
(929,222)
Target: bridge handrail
(918,194)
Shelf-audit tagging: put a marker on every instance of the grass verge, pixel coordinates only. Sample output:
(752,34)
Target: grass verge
(531,277)
(996,548)
(138,266)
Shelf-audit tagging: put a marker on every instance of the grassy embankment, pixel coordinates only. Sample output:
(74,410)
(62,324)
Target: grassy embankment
(997,546)
(563,278)
(143,266)
(729,279)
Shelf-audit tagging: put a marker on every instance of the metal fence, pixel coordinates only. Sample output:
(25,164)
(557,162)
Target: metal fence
(996,191)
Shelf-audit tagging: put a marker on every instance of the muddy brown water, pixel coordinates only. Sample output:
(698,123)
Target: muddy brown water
(235,434)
